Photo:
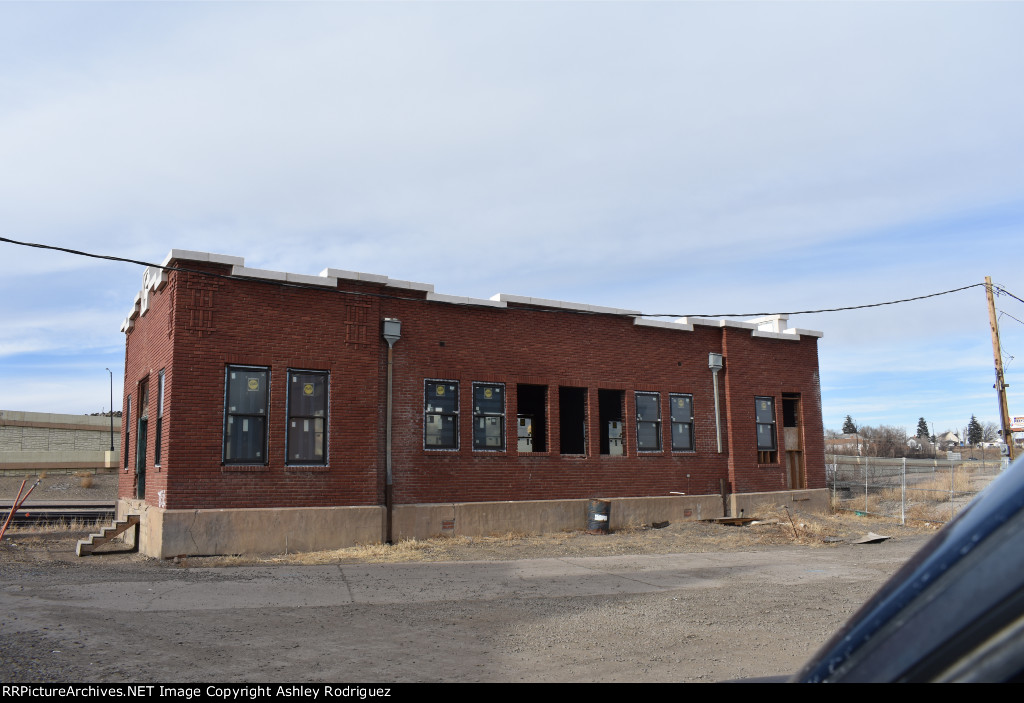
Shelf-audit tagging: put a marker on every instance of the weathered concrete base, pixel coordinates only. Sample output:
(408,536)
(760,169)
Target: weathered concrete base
(168,533)
(423,521)
(813,500)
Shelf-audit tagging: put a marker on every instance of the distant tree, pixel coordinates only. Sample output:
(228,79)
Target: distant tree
(922,428)
(849,426)
(990,432)
(974,431)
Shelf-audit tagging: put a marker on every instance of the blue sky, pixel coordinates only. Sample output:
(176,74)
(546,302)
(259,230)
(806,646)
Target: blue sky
(669,157)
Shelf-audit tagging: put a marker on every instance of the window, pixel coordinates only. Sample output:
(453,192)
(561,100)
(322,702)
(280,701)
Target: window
(609,412)
(245,409)
(159,415)
(141,432)
(648,422)
(572,420)
(531,418)
(441,415)
(307,417)
(682,422)
(489,417)
(764,409)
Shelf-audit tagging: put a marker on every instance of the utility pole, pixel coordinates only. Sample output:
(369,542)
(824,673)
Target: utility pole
(1000,385)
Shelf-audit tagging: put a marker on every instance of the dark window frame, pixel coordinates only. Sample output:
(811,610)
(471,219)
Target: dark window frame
(685,424)
(480,416)
(430,413)
(230,416)
(324,418)
(643,421)
(765,425)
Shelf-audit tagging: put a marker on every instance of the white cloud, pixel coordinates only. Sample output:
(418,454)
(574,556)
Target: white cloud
(670,157)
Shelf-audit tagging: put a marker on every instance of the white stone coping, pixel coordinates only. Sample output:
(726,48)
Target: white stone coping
(664,324)
(685,324)
(463,300)
(204,256)
(356,276)
(284,277)
(560,304)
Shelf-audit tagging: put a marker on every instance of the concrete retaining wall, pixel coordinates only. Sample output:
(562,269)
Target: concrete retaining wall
(41,441)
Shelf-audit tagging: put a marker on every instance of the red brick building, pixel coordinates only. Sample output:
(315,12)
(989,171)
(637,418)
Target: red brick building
(256,411)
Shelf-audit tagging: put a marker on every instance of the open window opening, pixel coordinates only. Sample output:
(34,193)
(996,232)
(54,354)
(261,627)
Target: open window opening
(532,418)
(572,420)
(609,412)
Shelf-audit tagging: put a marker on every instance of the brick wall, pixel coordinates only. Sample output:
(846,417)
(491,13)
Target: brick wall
(214,323)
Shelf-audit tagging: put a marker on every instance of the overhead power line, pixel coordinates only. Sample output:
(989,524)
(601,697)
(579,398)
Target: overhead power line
(138,262)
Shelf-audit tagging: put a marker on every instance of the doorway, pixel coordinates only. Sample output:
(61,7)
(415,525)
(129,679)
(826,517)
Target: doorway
(796,477)
(140,441)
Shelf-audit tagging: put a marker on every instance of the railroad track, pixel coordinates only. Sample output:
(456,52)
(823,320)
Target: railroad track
(87,511)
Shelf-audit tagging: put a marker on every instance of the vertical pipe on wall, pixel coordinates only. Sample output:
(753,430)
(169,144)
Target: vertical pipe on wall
(389,480)
(392,333)
(715,364)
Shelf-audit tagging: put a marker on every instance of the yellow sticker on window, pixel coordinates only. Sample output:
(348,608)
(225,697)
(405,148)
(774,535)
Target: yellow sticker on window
(440,390)
(307,389)
(254,384)
(680,402)
(488,393)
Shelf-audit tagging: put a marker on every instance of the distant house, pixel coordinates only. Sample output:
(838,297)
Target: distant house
(947,440)
(847,444)
(918,444)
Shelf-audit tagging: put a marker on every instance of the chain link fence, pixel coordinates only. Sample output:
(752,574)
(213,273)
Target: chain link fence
(932,490)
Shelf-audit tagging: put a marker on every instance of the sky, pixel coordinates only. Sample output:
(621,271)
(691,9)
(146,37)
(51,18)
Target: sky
(693,158)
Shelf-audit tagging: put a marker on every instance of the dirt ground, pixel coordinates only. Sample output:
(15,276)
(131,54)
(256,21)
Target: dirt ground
(690,602)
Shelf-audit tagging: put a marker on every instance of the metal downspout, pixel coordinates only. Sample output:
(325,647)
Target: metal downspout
(389,479)
(392,333)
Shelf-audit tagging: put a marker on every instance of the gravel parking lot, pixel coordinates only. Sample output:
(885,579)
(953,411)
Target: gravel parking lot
(692,602)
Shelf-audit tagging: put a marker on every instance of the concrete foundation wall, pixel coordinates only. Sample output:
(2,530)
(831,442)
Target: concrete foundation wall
(809,501)
(168,533)
(539,516)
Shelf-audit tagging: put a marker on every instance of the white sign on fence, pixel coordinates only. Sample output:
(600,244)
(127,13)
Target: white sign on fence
(953,456)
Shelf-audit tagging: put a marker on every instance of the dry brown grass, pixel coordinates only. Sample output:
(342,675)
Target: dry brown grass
(85,479)
(937,489)
(63,525)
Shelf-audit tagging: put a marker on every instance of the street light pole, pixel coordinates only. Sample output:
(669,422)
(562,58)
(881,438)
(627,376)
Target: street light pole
(111,409)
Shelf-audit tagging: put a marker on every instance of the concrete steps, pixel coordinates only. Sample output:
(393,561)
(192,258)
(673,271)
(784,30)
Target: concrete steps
(86,546)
